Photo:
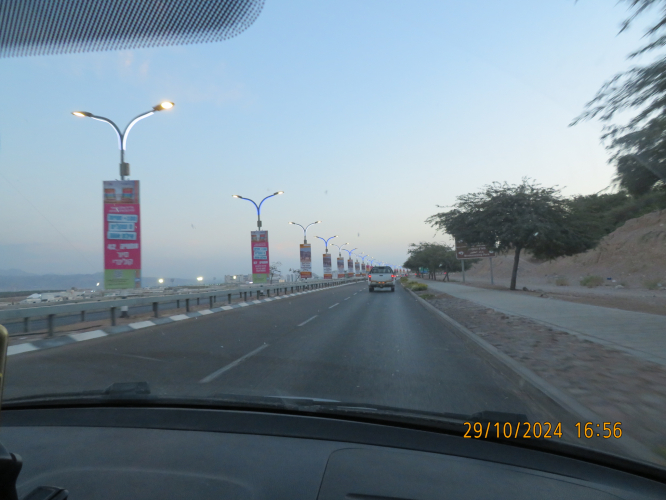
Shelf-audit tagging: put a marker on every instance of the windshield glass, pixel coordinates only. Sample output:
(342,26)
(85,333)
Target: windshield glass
(198,211)
(385,270)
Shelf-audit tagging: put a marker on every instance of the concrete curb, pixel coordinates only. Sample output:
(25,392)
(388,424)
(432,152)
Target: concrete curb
(544,394)
(72,338)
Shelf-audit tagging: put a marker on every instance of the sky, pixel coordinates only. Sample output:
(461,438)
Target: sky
(368,114)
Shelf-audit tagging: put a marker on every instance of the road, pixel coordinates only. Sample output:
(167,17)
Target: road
(342,344)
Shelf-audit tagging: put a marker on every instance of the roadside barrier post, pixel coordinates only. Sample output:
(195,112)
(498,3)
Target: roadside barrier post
(50,319)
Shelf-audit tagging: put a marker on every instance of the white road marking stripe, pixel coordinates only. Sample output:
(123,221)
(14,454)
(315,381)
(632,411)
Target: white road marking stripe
(206,311)
(140,324)
(268,300)
(334,305)
(88,335)
(226,308)
(256,301)
(179,317)
(244,304)
(18,349)
(219,372)
(347,298)
(308,320)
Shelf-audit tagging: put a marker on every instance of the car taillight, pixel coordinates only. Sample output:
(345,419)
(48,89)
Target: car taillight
(369,275)
(393,276)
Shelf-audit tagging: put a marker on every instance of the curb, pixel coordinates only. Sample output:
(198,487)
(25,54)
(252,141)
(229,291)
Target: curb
(544,394)
(73,338)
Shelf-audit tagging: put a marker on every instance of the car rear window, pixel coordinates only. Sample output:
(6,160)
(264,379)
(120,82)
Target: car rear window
(387,270)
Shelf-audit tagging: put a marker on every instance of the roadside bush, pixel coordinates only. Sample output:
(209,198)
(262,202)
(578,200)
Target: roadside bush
(416,287)
(561,281)
(651,284)
(404,280)
(591,281)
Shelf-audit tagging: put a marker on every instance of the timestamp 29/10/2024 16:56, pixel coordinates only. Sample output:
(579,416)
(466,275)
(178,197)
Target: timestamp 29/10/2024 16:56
(539,430)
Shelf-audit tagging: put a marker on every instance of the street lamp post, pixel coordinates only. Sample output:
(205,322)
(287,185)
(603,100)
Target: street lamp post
(363,257)
(305,230)
(258,207)
(122,136)
(326,240)
(340,257)
(350,252)
(260,260)
(339,248)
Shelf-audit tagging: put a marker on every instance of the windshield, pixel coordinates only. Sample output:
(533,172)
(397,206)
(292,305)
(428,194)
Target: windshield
(198,211)
(385,270)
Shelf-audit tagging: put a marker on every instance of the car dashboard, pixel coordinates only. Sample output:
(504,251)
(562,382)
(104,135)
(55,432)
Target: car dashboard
(157,453)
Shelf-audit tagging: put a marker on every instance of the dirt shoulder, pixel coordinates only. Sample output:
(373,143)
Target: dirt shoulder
(615,385)
(627,300)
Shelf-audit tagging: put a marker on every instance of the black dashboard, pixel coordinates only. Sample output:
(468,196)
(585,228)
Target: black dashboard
(159,453)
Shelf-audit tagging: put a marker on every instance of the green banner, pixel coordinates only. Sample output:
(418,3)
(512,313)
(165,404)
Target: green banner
(116,279)
(260,278)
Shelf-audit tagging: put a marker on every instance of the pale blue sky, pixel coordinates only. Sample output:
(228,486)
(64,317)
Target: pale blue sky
(367,113)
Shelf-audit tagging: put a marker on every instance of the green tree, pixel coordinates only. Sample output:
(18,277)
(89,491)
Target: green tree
(519,217)
(433,256)
(639,146)
(602,214)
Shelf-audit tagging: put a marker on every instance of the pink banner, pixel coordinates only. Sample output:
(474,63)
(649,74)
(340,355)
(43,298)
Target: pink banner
(122,235)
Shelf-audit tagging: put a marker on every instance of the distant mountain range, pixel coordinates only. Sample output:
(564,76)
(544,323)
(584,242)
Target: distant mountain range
(15,280)
(14,272)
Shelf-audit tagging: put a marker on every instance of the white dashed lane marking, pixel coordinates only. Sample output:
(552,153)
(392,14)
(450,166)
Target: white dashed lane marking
(308,320)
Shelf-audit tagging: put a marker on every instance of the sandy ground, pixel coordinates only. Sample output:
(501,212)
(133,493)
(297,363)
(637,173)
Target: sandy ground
(639,300)
(617,386)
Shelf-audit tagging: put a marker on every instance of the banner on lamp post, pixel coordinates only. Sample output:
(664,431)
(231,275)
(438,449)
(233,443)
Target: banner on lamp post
(260,259)
(122,235)
(350,268)
(328,270)
(341,267)
(357,266)
(306,261)
(363,268)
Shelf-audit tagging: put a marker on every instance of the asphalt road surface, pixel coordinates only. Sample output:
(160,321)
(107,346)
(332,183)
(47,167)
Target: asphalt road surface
(343,344)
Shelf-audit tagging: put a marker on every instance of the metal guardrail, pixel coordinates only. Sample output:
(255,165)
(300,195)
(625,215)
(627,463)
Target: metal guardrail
(113,305)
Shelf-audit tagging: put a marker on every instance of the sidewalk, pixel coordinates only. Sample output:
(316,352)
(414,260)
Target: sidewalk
(640,334)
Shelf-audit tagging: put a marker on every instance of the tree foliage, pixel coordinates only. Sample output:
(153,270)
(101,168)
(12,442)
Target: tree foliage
(638,146)
(434,256)
(604,213)
(518,217)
